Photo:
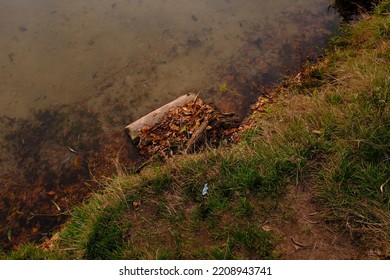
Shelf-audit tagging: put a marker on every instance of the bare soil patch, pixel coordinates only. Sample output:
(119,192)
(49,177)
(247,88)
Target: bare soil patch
(304,235)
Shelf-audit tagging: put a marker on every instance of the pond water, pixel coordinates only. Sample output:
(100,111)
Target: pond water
(145,52)
(73,70)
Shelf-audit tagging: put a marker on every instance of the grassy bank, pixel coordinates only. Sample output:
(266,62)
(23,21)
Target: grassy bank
(326,134)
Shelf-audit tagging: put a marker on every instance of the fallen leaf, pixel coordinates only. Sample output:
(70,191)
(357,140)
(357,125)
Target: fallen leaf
(197,124)
(136,204)
(186,111)
(174,127)
(105,204)
(266,228)
(318,132)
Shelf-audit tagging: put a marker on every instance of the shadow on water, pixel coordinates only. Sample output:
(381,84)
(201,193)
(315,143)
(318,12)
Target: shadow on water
(56,155)
(350,9)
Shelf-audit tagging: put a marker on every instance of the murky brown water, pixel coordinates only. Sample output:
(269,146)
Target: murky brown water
(73,70)
(144,52)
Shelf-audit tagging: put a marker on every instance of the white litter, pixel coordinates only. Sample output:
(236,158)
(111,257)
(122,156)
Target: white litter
(205,189)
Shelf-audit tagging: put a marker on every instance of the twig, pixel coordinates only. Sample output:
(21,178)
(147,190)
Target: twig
(144,164)
(196,98)
(302,246)
(311,222)
(315,246)
(32,215)
(370,224)
(69,249)
(383,185)
(73,151)
(56,205)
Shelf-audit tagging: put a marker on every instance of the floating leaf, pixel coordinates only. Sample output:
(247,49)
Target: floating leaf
(223,87)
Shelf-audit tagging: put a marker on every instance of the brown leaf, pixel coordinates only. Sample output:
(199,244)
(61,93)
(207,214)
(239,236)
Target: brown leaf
(195,127)
(174,127)
(136,204)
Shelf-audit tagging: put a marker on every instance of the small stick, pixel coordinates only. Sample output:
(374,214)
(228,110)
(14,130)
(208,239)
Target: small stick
(196,136)
(311,222)
(196,98)
(383,185)
(303,246)
(73,151)
(144,164)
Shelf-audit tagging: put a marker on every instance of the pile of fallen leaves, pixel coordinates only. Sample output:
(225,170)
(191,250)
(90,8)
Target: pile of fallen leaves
(185,129)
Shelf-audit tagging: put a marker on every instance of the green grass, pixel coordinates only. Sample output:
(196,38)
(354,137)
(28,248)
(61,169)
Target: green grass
(30,251)
(331,127)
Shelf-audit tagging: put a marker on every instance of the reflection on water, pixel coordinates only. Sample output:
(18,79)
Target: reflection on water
(70,70)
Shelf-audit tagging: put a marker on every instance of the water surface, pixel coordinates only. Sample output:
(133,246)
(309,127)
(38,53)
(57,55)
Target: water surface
(145,52)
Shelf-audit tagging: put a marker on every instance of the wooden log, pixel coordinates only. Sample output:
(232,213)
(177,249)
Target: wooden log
(227,121)
(196,136)
(155,116)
